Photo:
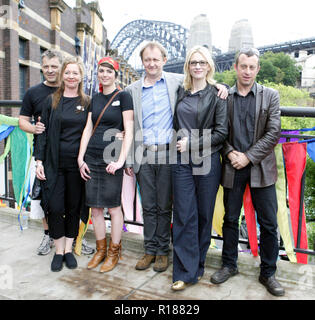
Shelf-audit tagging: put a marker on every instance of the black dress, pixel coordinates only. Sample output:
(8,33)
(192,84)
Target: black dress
(103,190)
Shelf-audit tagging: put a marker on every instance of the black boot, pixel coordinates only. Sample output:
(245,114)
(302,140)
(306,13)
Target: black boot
(272,285)
(222,275)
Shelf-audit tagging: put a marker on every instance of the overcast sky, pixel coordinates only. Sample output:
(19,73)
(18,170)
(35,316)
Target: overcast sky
(272,21)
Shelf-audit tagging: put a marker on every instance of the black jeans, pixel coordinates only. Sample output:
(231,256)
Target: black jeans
(266,207)
(156,197)
(65,204)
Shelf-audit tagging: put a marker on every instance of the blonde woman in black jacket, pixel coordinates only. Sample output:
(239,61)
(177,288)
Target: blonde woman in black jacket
(200,121)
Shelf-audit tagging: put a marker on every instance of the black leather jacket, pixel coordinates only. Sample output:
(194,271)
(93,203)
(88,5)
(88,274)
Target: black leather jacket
(211,114)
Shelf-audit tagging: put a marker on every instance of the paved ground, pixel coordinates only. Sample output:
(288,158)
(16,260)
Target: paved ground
(26,276)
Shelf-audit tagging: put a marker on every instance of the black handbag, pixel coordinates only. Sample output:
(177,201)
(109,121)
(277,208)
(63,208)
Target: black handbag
(37,190)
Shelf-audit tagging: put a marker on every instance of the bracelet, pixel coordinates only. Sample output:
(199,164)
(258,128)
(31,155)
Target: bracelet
(81,165)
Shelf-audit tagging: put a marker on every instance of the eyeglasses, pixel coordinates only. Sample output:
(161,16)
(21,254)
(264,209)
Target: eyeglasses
(201,63)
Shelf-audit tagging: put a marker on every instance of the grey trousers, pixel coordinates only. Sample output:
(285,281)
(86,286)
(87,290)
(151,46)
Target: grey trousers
(155,184)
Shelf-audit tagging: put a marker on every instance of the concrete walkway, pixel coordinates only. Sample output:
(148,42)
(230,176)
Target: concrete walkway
(24,275)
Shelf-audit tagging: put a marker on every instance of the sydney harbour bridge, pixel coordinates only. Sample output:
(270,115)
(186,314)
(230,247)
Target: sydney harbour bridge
(174,38)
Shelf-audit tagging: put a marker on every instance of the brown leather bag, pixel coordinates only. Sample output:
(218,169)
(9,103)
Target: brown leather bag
(101,114)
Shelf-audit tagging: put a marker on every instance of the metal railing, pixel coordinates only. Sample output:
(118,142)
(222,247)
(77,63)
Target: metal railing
(285,112)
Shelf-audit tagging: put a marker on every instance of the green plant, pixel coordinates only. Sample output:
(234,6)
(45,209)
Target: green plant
(228,77)
(310,226)
(309,191)
(290,96)
(278,68)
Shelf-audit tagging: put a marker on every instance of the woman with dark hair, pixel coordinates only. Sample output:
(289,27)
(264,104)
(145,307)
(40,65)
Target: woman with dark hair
(101,165)
(200,120)
(64,117)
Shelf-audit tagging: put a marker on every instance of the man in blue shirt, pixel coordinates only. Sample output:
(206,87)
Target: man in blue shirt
(154,98)
(157,115)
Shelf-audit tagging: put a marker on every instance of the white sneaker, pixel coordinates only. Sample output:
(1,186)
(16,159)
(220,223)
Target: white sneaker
(44,247)
(85,249)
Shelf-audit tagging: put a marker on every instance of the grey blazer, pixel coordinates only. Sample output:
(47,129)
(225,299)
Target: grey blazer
(173,81)
(266,135)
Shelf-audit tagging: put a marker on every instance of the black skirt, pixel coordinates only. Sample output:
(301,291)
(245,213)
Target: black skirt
(103,190)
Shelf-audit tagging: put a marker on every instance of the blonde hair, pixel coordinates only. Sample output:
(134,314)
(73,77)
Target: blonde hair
(84,99)
(206,54)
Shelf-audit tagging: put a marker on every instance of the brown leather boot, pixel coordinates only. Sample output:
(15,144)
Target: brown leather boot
(145,261)
(100,255)
(113,255)
(161,263)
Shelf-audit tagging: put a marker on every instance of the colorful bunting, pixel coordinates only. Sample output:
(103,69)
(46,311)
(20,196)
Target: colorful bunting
(291,161)
(5,130)
(250,218)
(295,161)
(128,194)
(311,149)
(282,216)
(218,215)
(20,144)
(82,231)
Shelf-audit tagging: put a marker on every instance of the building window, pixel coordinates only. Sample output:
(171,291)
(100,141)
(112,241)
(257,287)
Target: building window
(22,48)
(42,50)
(42,78)
(22,74)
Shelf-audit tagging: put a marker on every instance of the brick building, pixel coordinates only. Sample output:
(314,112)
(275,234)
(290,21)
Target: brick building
(29,27)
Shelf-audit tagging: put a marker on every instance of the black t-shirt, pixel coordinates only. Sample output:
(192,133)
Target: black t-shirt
(111,119)
(187,111)
(73,120)
(33,101)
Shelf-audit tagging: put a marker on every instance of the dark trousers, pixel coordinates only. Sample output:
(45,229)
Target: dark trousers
(156,198)
(65,203)
(266,207)
(194,201)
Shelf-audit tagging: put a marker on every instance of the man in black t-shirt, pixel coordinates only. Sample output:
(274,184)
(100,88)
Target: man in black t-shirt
(32,105)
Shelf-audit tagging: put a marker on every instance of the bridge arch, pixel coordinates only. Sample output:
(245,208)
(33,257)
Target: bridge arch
(172,36)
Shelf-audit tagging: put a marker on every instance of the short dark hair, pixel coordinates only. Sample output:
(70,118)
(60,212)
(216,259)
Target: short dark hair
(247,51)
(52,54)
(108,65)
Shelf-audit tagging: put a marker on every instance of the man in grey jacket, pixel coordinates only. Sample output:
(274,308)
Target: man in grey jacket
(154,98)
(249,158)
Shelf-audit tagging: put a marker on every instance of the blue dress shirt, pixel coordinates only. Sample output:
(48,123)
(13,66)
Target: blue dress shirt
(157,118)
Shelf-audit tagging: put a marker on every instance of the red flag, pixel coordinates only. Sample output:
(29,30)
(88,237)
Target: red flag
(295,161)
(250,221)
